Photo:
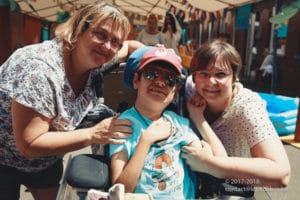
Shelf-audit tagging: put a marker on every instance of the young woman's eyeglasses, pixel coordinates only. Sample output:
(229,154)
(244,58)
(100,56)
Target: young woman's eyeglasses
(171,80)
(102,37)
(218,76)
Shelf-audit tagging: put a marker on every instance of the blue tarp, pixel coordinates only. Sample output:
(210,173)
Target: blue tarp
(282,111)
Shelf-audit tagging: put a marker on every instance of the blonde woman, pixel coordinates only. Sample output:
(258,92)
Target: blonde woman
(45,92)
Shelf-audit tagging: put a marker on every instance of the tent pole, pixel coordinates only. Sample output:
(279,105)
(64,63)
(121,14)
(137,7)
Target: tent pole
(272,32)
(209,30)
(200,34)
(233,26)
(250,38)
(274,52)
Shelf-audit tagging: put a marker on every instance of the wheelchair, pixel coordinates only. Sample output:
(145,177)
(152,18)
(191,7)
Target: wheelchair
(91,171)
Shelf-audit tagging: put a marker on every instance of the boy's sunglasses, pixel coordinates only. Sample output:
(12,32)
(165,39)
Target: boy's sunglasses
(170,80)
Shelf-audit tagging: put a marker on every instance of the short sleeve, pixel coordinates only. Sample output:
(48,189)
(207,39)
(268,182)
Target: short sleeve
(181,128)
(254,121)
(189,137)
(129,143)
(31,83)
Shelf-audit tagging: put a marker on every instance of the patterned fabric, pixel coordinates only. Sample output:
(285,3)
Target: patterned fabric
(243,124)
(34,76)
(164,175)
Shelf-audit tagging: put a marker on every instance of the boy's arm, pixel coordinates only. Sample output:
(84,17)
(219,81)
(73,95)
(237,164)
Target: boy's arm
(127,171)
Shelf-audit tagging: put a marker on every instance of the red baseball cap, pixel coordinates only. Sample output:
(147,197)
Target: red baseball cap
(161,54)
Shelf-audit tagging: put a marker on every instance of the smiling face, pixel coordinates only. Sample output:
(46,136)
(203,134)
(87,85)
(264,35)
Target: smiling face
(152,24)
(215,67)
(155,92)
(98,45)
(215,82)
(90,36)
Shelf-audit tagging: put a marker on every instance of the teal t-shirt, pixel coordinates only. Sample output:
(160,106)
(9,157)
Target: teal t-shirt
(165,174)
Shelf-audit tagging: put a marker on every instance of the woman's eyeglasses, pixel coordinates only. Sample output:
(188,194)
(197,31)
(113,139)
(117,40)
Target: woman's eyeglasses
(203,75)
(171,80)
(102,37)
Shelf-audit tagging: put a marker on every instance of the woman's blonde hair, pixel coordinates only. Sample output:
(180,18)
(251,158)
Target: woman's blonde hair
(93,14)
(210,51)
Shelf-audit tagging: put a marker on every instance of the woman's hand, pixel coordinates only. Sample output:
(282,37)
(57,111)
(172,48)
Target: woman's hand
(128,47)
(196,157)
(111,130)
(157,131)
(196,106)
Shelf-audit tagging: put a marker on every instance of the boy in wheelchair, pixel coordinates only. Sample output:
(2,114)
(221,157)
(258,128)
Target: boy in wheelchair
(150,161)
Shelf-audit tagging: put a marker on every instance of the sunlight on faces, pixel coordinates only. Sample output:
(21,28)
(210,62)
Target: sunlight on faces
(102,43)
(155,82)
(105,34)
(219,70)
(170,77)
(102,36)
(213,81)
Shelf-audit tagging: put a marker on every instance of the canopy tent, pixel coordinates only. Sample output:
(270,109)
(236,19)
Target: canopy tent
(139,9)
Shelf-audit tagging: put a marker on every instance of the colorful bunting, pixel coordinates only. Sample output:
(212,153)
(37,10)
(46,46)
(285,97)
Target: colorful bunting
(192,13)
(135,16)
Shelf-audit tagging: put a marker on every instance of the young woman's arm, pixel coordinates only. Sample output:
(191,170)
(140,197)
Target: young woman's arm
(196,106)
(269,166)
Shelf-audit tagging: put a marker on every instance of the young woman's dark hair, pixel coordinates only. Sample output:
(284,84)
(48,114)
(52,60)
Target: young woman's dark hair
(169,19)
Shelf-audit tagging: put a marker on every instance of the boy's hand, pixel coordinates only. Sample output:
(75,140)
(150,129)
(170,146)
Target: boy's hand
(158,130)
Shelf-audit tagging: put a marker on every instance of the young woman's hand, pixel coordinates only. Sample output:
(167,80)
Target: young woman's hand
(196,157)
(196,106)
